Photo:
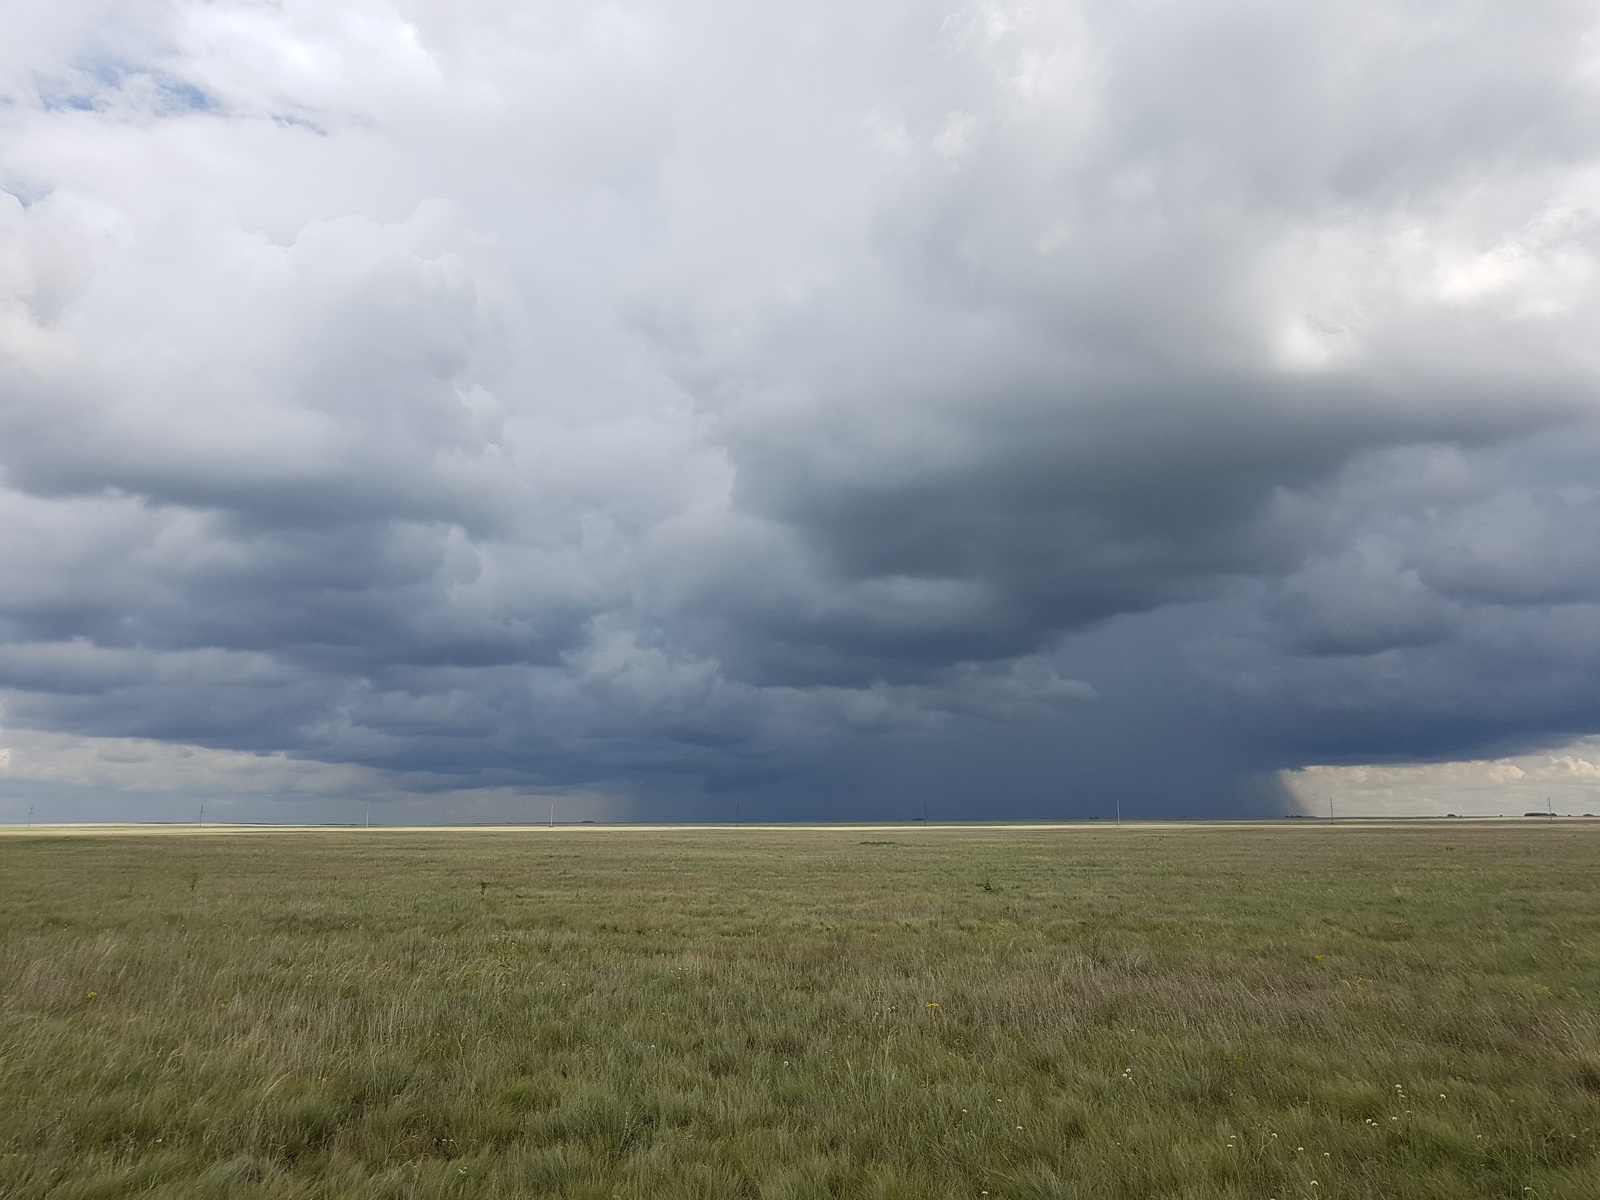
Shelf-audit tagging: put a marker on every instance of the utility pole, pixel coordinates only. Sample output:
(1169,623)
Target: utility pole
(30,816)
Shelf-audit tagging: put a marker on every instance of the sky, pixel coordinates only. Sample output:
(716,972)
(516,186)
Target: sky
(696,410)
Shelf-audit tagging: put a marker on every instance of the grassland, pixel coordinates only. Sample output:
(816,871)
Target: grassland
(1254,1011)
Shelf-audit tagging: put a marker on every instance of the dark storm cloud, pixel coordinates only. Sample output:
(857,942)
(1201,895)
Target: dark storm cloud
(1015,406)
(1451,608)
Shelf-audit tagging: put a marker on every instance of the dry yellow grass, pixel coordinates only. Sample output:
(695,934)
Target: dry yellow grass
(1254,1011)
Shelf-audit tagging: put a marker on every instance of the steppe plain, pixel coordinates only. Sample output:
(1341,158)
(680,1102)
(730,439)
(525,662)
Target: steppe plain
(1294,1009)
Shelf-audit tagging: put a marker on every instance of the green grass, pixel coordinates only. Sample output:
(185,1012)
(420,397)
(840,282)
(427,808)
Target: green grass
(1250,1011)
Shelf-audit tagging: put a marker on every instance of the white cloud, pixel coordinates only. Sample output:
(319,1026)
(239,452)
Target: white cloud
(1568,765)
(145,765)
(1566,783)
(954,140)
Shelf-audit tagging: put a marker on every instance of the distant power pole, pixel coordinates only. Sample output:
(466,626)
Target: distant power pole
(30,816)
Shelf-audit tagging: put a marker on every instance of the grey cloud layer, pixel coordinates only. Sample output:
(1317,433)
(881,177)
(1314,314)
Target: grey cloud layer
(1450,604)
(725,401)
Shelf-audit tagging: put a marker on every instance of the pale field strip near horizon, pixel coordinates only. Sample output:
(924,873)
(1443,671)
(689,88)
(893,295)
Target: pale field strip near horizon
(157,829)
